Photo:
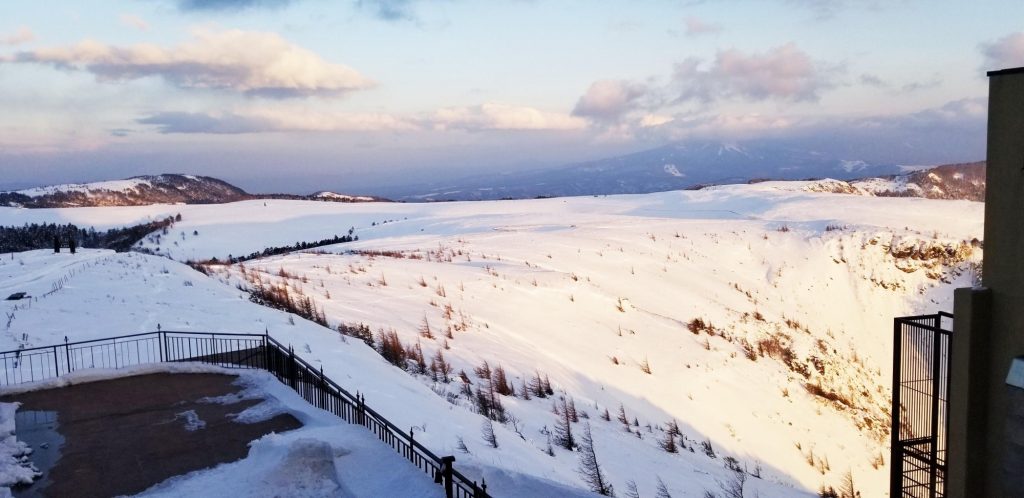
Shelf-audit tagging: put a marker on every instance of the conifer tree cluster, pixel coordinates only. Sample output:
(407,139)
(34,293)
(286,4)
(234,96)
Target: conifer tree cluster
(42,236)
(298,246)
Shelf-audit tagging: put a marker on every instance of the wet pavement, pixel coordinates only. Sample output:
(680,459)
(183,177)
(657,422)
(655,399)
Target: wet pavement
(122,436)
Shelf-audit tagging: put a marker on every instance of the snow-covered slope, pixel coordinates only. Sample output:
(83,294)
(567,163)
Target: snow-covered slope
(762,312)
(137,191)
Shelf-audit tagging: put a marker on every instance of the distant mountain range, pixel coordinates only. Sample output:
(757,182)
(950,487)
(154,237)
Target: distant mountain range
(156,189)
(671,167)
(665,168)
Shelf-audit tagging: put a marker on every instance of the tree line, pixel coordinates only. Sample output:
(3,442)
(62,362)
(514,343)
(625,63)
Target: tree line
(32,236)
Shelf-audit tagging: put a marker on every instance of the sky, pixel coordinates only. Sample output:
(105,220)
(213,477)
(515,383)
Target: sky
(352,95)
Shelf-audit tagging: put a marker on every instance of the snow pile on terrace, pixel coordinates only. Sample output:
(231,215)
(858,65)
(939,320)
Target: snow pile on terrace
(325,458)
(15,468)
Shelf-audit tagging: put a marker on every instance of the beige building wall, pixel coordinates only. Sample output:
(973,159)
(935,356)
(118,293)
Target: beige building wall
(986,445)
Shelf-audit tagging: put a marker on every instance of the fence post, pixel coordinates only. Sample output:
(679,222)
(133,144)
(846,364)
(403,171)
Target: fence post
(446,475)
(266,351)
(322,394)
(361,408)
(67,354)
(160,343)
(936,385)
(213,346)
(412,443)
(56,363)
(291,367)
(483,488)
(896,456)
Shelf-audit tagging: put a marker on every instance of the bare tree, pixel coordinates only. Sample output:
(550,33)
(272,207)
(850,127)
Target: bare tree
(631,491)
(662,490)
(733,486)
(488,434)
(563,428)
(589,469)
(847,489)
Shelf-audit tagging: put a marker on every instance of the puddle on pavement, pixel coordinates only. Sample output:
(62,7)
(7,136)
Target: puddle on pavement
(38,429)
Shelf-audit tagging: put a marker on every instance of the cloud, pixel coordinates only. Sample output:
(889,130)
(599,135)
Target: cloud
(22,35)
(696,27)
(229,4)
(134,21)
(609,100)
(952,132)
(653,120)
(784,73)
(269,120)
(873,80)
(494,116)
(252,63)
(389,10)
(915,86)
(1006,52)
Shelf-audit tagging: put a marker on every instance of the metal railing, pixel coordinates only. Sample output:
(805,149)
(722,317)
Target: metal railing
(248,351)
(920,405)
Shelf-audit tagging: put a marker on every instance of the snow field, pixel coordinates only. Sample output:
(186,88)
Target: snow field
(797,291)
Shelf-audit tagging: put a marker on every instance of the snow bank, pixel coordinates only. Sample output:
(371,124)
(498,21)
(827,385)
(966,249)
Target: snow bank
(100,374)
(325,458)
(15,467)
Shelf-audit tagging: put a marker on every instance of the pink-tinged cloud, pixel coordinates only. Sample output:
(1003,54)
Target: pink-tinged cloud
(1005,52)
(253,63)
(696,27)
(609,100)
(134,21)
(274,119)
(782,73)
(22,35)
(495,116)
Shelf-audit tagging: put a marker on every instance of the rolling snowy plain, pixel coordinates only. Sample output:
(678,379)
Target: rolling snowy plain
(757,317)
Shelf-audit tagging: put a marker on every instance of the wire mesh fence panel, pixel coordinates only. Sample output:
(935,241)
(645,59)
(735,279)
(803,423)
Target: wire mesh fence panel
(920,423)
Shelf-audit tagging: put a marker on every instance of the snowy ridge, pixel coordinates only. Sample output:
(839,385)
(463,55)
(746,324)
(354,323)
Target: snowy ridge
(718,293)
(137,191)
(332,196)
(129,185)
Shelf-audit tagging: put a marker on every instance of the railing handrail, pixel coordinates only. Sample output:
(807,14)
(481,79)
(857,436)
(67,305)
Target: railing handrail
(370,411)
(913,321)
(130,336)
(427,459)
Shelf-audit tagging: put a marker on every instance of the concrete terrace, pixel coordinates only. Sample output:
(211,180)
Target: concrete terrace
(124,435)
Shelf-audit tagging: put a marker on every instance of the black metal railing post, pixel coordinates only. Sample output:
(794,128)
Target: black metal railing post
(292,367)
(56,368)
(266,354)
(67,354)
(896,454)
(446,475)
(936,385)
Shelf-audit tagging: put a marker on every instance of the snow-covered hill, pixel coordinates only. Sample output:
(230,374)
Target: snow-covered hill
(137,191)
(148,190)
(964,182)
(757,317)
